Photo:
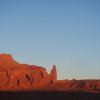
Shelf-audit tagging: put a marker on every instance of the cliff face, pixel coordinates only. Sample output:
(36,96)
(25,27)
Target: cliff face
(15,76)
(23,77)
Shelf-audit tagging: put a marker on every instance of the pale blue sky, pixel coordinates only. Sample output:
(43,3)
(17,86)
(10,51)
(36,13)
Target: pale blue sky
(47,32)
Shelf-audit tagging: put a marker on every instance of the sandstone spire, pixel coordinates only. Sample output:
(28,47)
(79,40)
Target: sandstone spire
(53,74)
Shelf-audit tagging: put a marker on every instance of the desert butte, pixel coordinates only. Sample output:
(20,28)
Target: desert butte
(24,77)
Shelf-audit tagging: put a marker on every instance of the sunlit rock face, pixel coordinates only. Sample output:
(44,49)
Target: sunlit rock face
(23,77)
(16,76)
(90,86)
(7,60)
(53,74)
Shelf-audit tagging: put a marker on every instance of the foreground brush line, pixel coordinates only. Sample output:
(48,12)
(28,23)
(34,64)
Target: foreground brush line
(23,77)
(49,95)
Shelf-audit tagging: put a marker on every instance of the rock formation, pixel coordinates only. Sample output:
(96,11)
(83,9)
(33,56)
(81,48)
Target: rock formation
(53,74)
(91,86)
(23,77)
(15,76)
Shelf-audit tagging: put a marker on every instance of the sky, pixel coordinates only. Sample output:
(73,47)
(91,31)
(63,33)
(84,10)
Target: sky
(47,32)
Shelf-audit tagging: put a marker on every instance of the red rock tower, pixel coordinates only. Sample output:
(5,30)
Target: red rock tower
(53,74)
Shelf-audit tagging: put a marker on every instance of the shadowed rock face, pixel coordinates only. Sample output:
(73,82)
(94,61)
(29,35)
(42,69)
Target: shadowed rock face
(15,76)
(23,77)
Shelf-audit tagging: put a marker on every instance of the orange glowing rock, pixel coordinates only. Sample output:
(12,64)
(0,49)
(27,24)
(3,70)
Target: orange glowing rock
(15,76)
(23,77)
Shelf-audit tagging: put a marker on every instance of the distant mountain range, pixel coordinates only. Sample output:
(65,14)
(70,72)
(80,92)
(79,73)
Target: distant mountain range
(23,77)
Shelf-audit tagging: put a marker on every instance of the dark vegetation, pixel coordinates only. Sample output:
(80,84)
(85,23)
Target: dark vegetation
(48,95)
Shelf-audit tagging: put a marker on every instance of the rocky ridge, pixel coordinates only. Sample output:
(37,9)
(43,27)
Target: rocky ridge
(16,76)
(23,77)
